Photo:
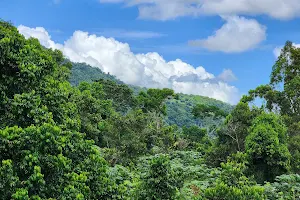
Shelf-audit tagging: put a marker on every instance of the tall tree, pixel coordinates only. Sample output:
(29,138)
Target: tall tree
(282,95)
(266,146)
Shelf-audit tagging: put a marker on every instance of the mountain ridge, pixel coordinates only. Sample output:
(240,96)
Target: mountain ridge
(179,112)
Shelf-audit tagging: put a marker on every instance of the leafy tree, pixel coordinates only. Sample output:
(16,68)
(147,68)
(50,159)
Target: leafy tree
(33,81)
(232,135)
(293,145)
(120,95)
(93,110)
(160,182)
(197,138)
(209,113)
(154,100)
(282,95)
(266,146)
(51,163)
(232,182)
(8,181)
(285,77)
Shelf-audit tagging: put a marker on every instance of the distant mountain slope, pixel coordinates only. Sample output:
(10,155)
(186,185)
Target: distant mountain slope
(178,111)
(83,72)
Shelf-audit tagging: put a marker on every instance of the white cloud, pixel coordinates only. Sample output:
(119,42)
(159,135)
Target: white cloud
(39,33)
(277,50)
(238,34)
(147,70)
(227,76)
(171,9)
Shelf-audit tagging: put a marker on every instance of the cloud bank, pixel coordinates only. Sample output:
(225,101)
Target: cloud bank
(146,70)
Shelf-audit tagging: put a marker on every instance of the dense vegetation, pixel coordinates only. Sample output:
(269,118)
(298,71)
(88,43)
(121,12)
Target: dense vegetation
(101,140)
(179,111)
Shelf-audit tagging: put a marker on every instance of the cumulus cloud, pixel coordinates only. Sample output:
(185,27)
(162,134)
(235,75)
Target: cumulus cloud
(171,9)
(147,70)
(238,34)
(39,33)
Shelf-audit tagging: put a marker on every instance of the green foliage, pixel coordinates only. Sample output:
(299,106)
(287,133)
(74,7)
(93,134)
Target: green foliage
(232,135)
(93,110)
(136,134)
(52,163)
(285,187)
(282,95)
(153,100)
(160,181)
(203,111)
(266,146)
(197,138)
(294,147)
(120,95)
(82,72)
(195,133)
(8,181)
(211,113)
(179,110)
(33,82)
(233,184)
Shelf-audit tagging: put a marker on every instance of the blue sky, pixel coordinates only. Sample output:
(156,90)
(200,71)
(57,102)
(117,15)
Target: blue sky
(187,30)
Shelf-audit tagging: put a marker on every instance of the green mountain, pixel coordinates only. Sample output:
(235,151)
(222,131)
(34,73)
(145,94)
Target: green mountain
(179,112)
(83,72)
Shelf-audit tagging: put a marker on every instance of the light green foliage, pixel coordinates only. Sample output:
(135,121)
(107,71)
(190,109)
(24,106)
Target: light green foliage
(285,187)
(266,146)
(160,181)
(26,109)
(8,181)
(233,184)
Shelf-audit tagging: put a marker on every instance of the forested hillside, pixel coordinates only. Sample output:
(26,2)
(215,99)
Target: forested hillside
(179,111)
(82,72)
(100,140)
